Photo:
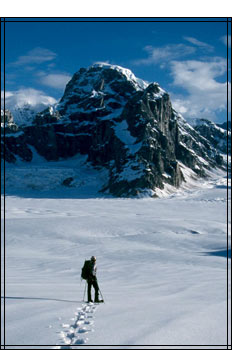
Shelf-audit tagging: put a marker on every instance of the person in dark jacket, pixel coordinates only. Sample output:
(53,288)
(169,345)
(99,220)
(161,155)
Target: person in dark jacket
(92,280)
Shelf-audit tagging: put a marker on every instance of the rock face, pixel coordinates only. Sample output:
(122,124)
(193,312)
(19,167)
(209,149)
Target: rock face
(215,134)
(13,140)
(121,123)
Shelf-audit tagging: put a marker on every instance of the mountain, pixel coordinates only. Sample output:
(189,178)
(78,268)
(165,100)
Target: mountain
(225,125)
(26,113)
(24,104)
(216,134)
(122,124)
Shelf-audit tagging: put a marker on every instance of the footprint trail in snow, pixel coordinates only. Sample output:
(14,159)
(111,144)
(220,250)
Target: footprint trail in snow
(82,323)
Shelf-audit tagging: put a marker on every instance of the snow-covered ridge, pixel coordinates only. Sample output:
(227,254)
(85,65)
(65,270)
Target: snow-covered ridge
(142,84)
(209,123)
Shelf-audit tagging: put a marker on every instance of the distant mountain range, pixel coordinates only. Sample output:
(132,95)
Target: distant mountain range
(122,124)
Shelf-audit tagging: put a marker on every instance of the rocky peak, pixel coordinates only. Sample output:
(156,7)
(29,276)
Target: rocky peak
(215,134)
(100,89)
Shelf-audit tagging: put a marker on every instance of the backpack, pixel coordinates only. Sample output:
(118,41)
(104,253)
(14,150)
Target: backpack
(85,272)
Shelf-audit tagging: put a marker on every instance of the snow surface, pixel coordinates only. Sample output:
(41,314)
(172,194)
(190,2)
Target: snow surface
(40,178)
(162,269)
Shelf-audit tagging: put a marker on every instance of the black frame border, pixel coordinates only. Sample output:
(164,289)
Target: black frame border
(5,20)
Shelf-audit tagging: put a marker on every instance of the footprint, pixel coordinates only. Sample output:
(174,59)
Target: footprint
(82,330)
(80,341)
(194,232)
(88,322)
(71,335)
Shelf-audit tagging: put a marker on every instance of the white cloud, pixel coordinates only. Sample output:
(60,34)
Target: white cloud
(35,56)
(205,95)
(57,81)
(165,53)
(199,43)
(224,40)
(29,96)
(30,100)
(198,74)
(7,94)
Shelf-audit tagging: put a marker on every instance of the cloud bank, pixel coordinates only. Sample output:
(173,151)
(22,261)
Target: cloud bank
(202,80)
(205,95)
(29,96)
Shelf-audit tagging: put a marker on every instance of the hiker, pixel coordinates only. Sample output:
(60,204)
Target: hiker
(89,272)
(92,280)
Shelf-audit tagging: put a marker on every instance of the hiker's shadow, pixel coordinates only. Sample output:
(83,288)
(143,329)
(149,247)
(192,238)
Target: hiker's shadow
(45,299)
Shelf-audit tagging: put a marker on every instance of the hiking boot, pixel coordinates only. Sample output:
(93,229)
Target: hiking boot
(90,301)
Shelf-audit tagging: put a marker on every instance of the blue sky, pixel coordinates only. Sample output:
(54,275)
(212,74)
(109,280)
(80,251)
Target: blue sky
(186,59)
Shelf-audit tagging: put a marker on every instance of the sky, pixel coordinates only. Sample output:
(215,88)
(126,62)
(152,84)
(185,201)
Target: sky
(187,59)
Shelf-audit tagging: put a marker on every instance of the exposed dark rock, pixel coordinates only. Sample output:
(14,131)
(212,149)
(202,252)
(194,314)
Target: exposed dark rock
(68,181)
(13,140)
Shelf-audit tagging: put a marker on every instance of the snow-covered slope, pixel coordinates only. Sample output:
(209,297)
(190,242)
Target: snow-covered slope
(161,269)
(26,113)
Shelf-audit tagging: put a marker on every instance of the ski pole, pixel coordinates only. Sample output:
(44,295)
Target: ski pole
(101,294)
(84,291)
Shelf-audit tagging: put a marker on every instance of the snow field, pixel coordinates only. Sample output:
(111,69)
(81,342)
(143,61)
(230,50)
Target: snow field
(162,270)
